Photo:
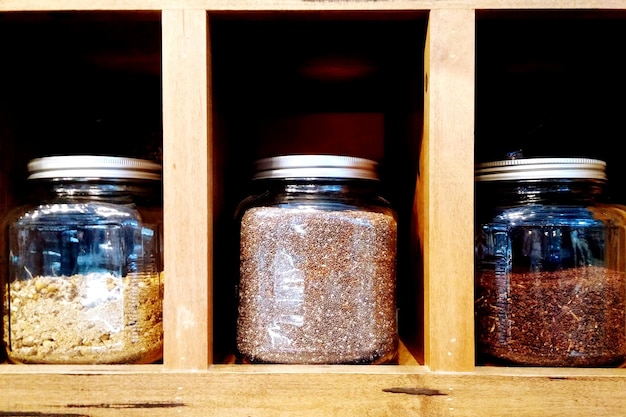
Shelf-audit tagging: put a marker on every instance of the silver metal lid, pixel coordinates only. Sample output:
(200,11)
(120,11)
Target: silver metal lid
(93,166)
(315,166)
(541,168)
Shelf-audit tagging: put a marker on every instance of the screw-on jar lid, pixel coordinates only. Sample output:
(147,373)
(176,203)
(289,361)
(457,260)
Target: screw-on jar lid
(541,168)
(93,166)
(315,166)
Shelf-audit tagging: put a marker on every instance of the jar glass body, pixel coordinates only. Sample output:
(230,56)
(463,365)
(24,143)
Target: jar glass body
(550,274)
(317,273)
(85,273)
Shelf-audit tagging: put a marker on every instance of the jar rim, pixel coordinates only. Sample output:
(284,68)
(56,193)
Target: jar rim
(315,166)
(541,169)
(93,166)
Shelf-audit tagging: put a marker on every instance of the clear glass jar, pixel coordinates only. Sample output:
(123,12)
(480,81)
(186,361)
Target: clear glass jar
(550,264)
(317,264)
(85,265)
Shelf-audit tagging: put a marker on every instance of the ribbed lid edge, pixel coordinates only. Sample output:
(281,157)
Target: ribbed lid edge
(315,166)
(93,166)
(541,168)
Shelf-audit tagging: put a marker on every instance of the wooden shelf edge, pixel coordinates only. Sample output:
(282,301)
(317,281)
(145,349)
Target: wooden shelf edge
(271,390)
(35,371)
(303,5)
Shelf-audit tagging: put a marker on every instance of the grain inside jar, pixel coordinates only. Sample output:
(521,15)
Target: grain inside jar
(85,270)
(317,271)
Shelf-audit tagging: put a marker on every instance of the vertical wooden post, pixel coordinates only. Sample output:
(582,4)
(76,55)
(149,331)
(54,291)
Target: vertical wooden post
(445,191)
(187,167)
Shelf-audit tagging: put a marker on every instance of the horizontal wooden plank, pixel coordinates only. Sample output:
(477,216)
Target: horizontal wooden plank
(30,5)
(275,390)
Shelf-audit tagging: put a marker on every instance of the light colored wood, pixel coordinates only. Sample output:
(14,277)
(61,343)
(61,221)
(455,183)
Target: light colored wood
(445,194)
(273,390)
(187,167)
(244,5)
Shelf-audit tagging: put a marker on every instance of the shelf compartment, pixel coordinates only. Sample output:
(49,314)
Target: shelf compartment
(239,91)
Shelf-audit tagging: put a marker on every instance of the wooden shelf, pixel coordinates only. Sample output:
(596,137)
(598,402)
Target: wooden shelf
(271,390)
(208,85)
(282,5)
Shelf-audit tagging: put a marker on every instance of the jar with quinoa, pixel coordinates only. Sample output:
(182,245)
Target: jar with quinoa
(317,276)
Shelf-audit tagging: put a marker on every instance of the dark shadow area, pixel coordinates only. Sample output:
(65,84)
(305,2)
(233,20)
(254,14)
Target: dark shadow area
(552,84)
(81,83)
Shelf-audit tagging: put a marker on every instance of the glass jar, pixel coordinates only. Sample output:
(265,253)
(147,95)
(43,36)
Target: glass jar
(84,264)
(550,264)
(317,264)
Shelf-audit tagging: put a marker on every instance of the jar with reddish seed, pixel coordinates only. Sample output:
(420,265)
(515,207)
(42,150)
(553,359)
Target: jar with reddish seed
(317,264)
(550,264)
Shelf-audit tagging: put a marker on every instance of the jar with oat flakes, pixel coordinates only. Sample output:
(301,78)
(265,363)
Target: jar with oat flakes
(317,245)
(84,263)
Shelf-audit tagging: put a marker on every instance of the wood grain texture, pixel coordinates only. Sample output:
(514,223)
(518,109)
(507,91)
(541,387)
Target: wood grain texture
(187,166)
(446,191)
(280,5)
(273,390)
